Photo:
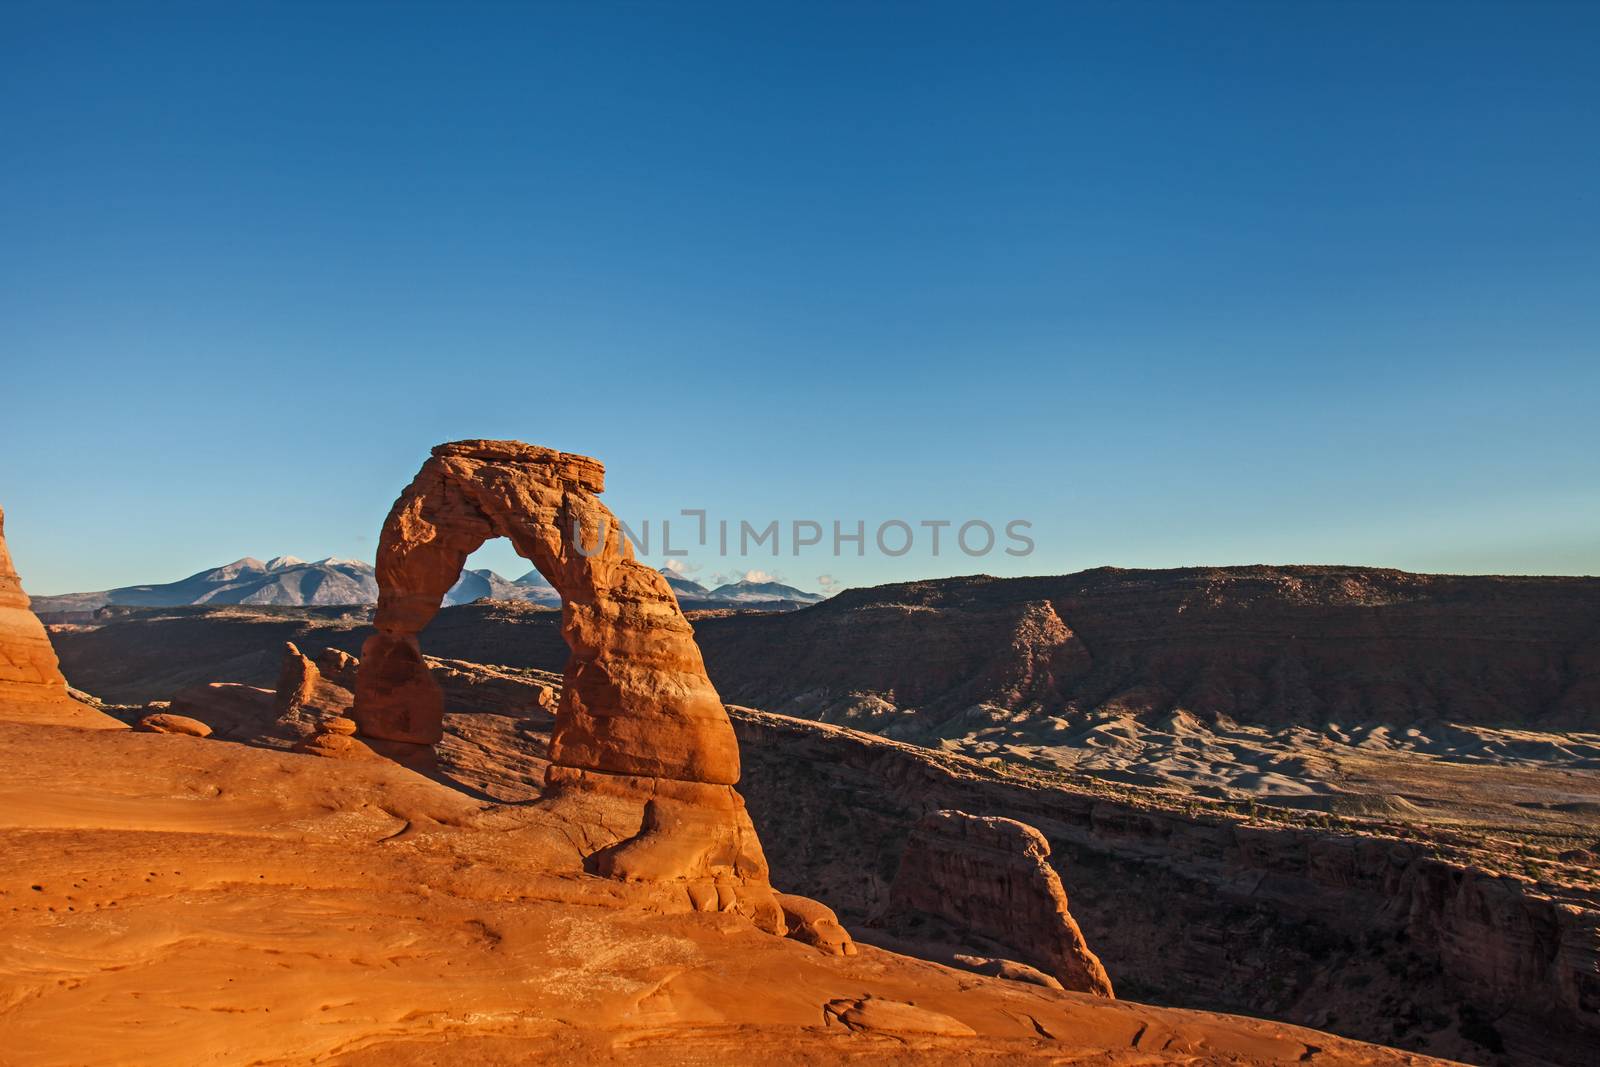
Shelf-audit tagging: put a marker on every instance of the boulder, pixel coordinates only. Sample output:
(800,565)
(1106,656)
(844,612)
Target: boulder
(167,723)
(1010,970)
(338,667)
(335,744)
(814,923)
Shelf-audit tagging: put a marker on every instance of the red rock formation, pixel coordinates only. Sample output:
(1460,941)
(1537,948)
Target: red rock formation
(304,695)
(31,686)
(642,756)
(307,700)
(992,877)
(636,699)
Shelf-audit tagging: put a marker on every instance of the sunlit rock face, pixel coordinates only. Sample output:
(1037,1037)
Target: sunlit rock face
(992,877)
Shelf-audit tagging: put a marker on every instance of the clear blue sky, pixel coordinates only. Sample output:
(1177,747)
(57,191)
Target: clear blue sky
(1178,283)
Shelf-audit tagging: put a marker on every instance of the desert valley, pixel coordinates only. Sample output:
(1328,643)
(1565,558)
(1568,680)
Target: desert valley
(1335,815)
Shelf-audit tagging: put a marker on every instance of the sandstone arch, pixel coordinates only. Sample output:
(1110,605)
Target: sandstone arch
(636,699)
(642,756)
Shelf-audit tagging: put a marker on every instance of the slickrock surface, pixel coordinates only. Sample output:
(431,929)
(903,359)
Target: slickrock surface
(991,877)
(31,685)
(208,902)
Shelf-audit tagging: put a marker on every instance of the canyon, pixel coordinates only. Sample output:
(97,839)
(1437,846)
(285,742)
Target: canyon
(1353,799)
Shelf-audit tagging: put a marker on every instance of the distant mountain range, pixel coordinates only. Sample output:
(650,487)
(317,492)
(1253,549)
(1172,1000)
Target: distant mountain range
(290,582)
(691,592)
(284,580)
(475,585)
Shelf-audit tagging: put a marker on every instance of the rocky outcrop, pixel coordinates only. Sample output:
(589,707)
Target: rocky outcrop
(313,702)
(305,695)
(991,877)
(335,739)
(31,685)
(1010,970)
(642,757)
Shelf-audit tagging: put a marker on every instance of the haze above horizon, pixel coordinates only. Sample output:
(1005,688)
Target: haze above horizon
(1176,284)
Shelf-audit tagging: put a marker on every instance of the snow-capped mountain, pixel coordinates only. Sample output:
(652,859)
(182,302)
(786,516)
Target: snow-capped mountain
(749,592)
(532,586)
(746,593)
(685,588)
(284,580)
(288,581)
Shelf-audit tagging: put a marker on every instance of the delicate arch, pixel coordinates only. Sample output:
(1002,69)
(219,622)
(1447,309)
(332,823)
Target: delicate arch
(636,699)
